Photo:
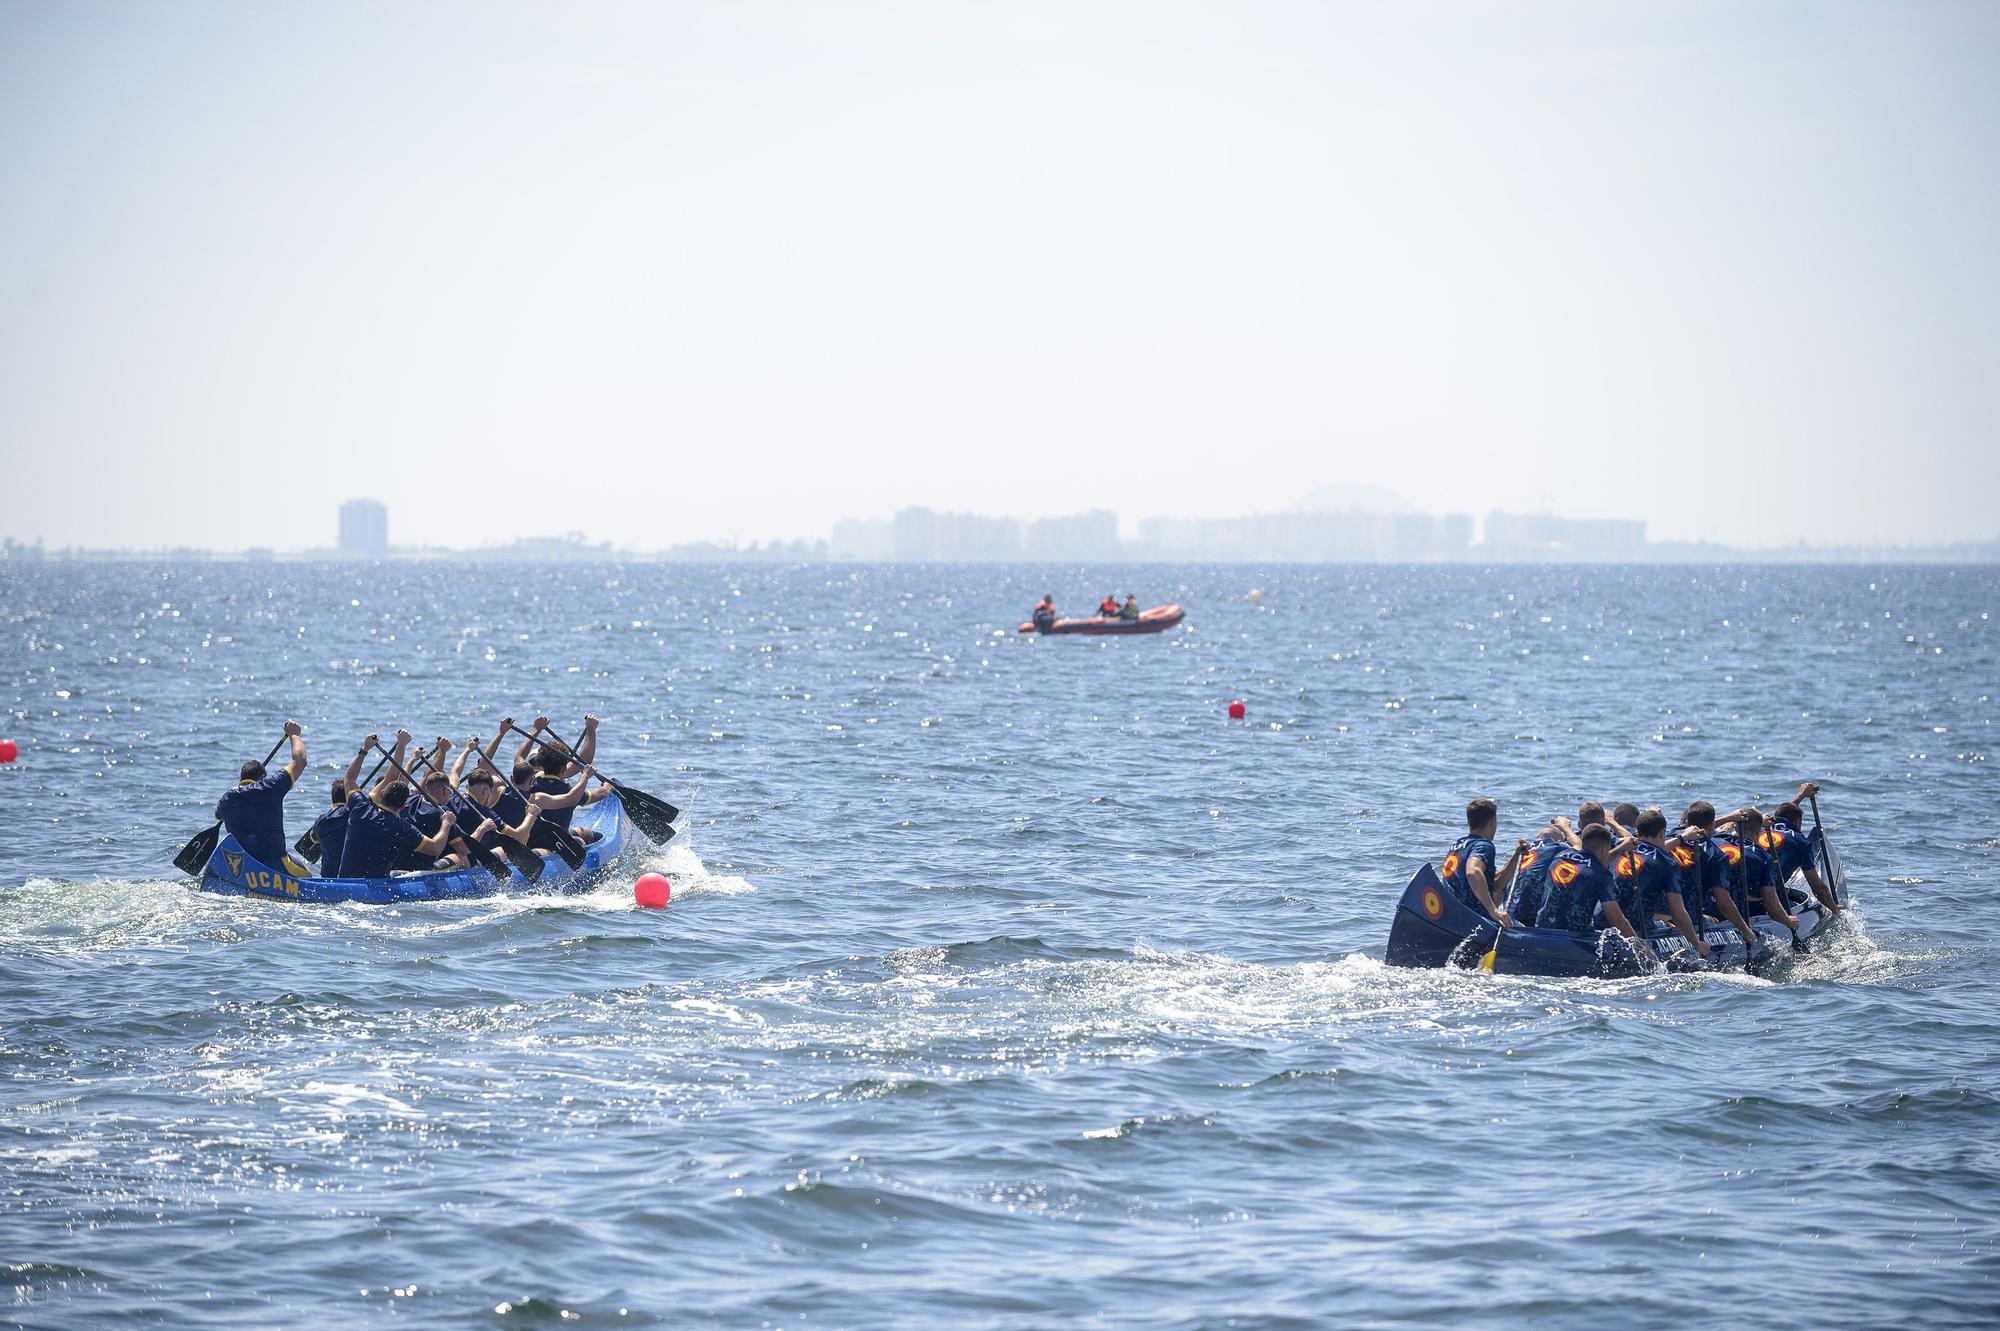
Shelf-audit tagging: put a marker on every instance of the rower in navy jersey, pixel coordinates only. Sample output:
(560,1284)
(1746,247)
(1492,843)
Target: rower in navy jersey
(436,798)
(1791,852)
(1708,877)
(558,798)
(517,795)
(1649,882)
(380,840)
(1468,866)
(254,811)
(1750,868)
(1531,880)
(1582,894)
(330,829)
(485,792)
(554,764)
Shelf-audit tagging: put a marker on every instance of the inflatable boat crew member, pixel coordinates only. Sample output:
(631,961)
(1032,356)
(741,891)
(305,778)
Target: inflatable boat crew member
(330,829)
(1713,871)
(1649,881)
(1789,850)
(1756,891)
(1130,610)
(1468,866)
(254,812)
(1045,614)
(1531,880)
(380,840)
(1582,893)
(1108,607)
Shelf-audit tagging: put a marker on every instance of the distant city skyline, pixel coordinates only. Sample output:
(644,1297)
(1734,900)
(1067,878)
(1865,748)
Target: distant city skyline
(1379,527)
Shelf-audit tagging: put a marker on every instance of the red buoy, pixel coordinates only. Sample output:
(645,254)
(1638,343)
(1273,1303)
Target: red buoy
(652,891)
(9,750)
(1237,711)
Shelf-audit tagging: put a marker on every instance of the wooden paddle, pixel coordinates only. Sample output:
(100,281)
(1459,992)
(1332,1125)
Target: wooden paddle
(194,855)
(651,814)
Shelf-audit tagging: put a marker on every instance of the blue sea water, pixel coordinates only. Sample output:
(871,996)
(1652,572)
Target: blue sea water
(1006,983)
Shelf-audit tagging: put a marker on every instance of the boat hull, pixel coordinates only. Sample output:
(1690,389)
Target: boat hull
(1433,928)
(231,871)
(1157,620)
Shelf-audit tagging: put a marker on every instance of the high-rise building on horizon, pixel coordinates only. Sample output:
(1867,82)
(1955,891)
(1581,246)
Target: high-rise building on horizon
(364,529)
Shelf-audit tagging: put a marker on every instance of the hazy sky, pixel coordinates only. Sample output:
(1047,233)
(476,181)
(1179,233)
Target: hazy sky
(667,272)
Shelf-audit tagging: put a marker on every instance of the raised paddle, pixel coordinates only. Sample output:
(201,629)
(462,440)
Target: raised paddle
(1826,855)
(651,814)
(529,863)
(308,843)
(194,855)
(485,858)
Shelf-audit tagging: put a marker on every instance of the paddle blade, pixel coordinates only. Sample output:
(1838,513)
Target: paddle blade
(651,814)
(529,863)
(307,846)
(1486,962)
(194,855)
(488,861)
(566,846)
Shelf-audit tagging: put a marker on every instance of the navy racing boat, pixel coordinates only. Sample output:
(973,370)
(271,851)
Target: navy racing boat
(1434,928)
(233,871)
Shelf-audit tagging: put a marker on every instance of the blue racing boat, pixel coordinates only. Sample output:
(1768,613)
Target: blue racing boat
(1434,928)
(232,871)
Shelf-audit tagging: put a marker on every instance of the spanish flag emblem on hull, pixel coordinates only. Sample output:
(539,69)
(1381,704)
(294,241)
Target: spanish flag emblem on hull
(1433,903)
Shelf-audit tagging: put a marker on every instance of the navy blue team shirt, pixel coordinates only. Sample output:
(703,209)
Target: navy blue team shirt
(1578,885)
(1463,851)
(254,813)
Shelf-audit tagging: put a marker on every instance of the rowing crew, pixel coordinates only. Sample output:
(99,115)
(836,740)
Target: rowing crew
(373,831)
(1626,870)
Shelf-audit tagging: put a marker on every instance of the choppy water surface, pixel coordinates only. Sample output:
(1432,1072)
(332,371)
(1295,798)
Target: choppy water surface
(1006,983)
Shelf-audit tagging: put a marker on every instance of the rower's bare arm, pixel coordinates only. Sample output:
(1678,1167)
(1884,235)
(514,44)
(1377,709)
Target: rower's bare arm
(1616,915)
(296,765)
(1475,874)
(520,834)
(352,777)
(464,757)
(1511,868)
(1684,922)
(586,747)
(528,742)
(567,800)
(1774,906)
(435,843)
(1725,906)
(506,724)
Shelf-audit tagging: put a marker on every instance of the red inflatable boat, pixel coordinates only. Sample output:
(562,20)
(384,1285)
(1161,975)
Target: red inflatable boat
(1157,620)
